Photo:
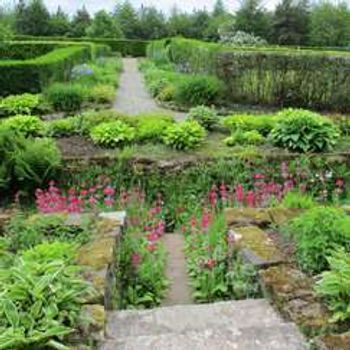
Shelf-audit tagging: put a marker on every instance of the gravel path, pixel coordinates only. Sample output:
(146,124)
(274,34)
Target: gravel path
(133,97)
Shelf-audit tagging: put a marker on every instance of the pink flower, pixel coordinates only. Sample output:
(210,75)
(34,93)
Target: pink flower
(136,259)
(259,176)
(92,200)
(109,191)
(109,202)
(339,182)
(152,247)
(239,193)
(84,193)
(210,263)
(250,199)
(212,196)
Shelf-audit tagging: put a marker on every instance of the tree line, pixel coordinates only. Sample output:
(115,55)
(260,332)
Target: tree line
(292,22)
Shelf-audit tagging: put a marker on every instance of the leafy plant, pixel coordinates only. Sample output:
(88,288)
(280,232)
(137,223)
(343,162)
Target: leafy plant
(196,90)
(334,285)
(304,131)
(36,162)
(205,116)
(92,118)
(41,298)
(66,97)
(317,233)
(25,124)
(248,122)
(297,200)
(102,93)
(184,136)
(151,127)
(244,138)
(62,127)
(112,134)
(19,104)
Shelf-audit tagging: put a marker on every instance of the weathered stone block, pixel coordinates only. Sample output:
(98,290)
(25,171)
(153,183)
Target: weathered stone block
(334,342)
(246,217)
(93,320)
(280,216)
(293,294)
(258,247)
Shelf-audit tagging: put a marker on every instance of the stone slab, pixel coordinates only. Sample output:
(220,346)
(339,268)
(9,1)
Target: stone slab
(117,216)
(280,337)
(280,216)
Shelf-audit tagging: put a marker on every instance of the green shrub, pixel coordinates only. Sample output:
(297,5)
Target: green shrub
(25,124)
(41,299)
(297,200)
(102,93)
(112,134)
(304,131)
(62,127)
(205,116)
(196,90)
(167,93)
(19,104)
(36,162)
(248,122)
(92,118)
(317,233)
(244,138)
(66,97)
(184,136)
(334,285)
(151,127)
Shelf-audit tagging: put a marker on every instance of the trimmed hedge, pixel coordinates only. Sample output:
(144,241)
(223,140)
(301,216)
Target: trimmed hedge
(126,47)
(33,75)
(275,76)
(24,50)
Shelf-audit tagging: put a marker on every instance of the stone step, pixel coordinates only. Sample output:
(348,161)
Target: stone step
(277,337)
(185,318)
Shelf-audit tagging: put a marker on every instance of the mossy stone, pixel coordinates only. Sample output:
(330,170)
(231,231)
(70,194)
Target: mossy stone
(247,216)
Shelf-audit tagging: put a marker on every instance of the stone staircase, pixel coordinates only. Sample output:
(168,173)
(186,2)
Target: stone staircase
(241,325)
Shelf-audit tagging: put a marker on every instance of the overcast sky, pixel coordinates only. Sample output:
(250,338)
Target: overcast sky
(71,6)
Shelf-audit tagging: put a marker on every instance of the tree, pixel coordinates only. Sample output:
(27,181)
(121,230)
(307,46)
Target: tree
(330,24)
(32,19)
(291,23)
(128,20)
(152,23)
(252,18)
(104,26)
(199,23)
(179,23)
(219,9)
(80,23)
(59,23)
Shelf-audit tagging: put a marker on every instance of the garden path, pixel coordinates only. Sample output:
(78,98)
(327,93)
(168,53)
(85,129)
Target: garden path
(179,290)
(132,96)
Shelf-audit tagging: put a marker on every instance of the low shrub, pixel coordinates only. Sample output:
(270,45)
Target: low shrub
(66,97)
(102,93)
(151,127)
(112,134)
(244,138)
(167,93)
(24,124)
(297,200)
(205,116)
(334,286)
(19,104)
(184,136)
(62,127)
(248,122)
(300,130)
(196,90)
(317,233)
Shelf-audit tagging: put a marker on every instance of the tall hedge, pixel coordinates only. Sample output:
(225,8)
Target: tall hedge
(135,48)
(275,76)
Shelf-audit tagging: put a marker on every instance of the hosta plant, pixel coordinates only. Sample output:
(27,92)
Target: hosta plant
(244,138)
(41,298)
(24,124)
(62,127)
(112,134)
(303,131)
(334,285)
(19,104)
(205,116)
(184,136)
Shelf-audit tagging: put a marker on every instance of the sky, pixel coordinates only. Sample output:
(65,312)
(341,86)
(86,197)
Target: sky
(70,6)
